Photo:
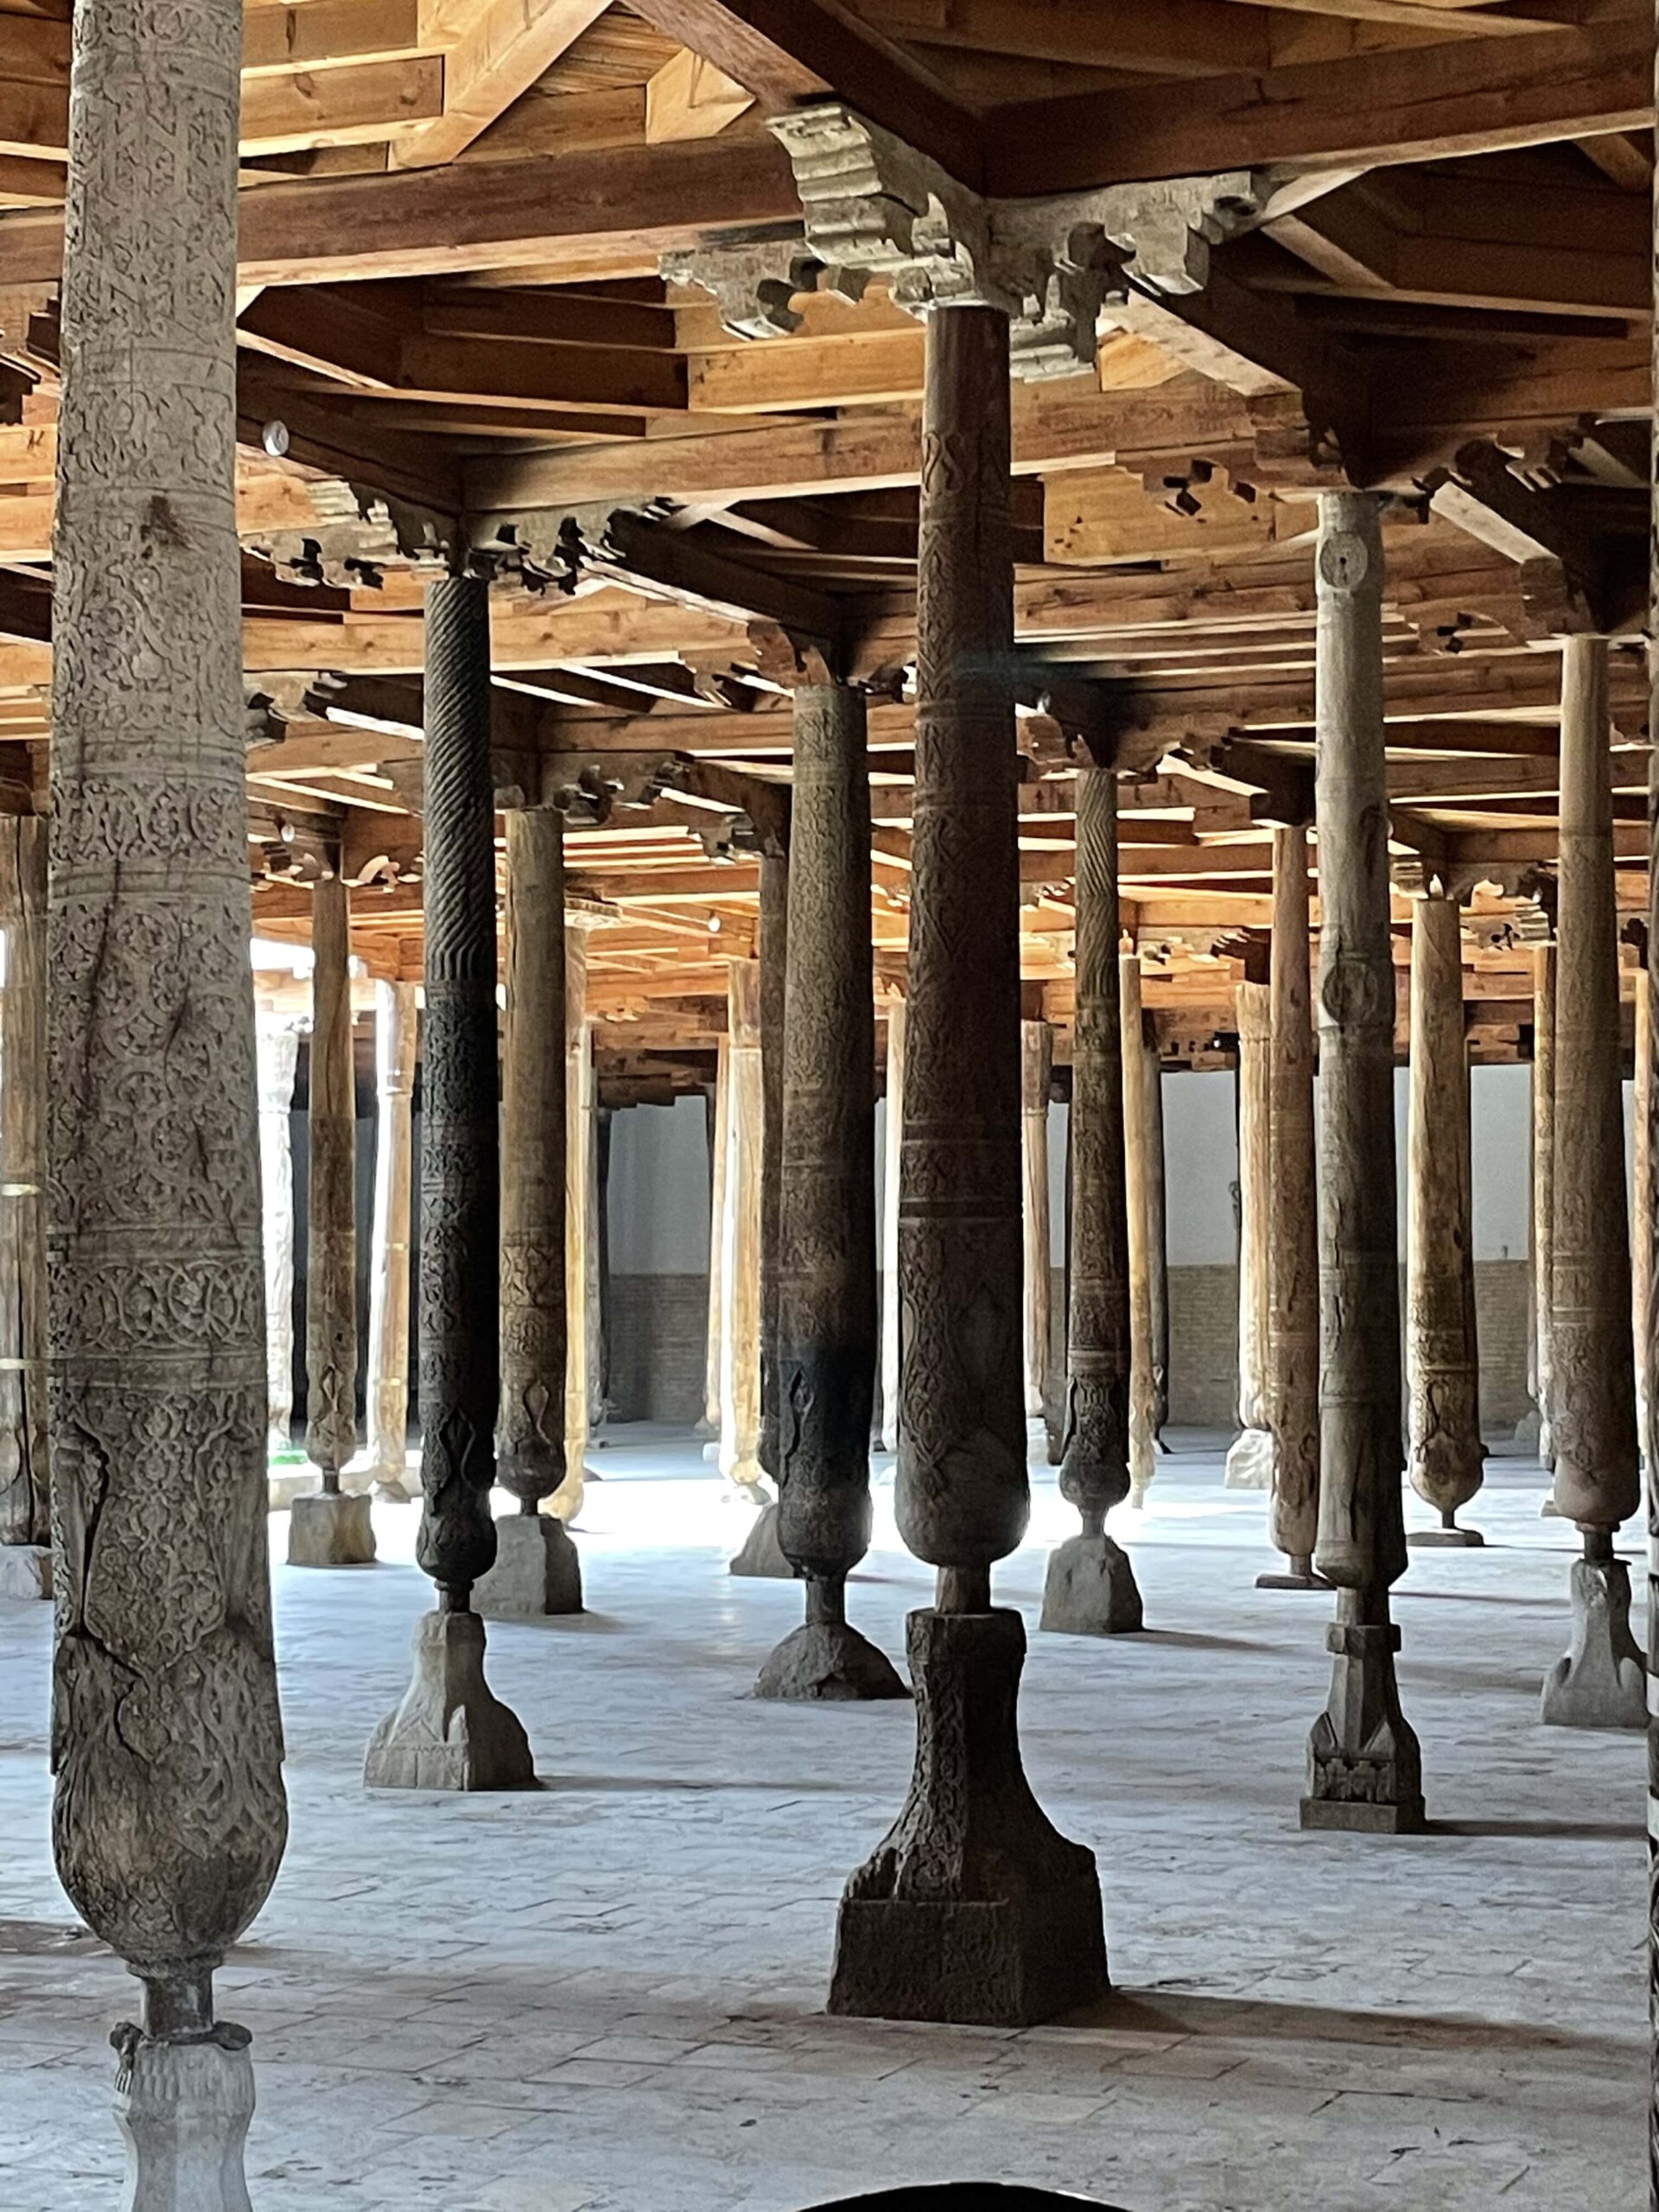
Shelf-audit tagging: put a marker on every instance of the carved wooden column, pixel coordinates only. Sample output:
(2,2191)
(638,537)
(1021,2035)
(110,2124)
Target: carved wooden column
(25,1517)
(1543,1194)
(581,1138)
(1089,1588)
(170,1819)
(1600,1683)
(1157,1235)
(1641,1198)
(1249,1461)
(327,1527)
(277,1050)
(1294,1234)
(719,1141)
(893,1135)
(395,1034)
(826,1227)
(451,1732)
(1036,1073)
(1442,1357)
(743,1318)
(537,1571)
(1365,1769)
(1137,1171)
(772,950)
(973,1907)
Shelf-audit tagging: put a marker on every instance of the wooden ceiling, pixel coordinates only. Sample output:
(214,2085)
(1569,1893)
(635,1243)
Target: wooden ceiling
(453,334)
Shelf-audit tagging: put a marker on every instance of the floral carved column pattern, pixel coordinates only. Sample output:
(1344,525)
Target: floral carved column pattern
(170,1820)
(1089,1588)
(25,1519)
(1294,1234)
(537,1571)
(1137,1177)
(826,1312)
(1445,1455)
(1365,1768)
(1249,1461)
(395,1034)
(326,1527)
(973,1907)
(451,1732)
(1600,1683)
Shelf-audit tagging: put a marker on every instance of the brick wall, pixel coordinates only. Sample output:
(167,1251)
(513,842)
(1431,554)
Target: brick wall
(659,1333)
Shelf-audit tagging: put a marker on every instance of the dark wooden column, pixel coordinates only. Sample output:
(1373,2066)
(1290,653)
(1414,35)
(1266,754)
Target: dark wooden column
(25,1518)
(1294,1230)
(537,1571)
(329,1529)
(772,949)
(1543,1194)
(1445,1455)
(1157,1232)
(1090,1589)
(1365,1769)
(170,1819)
(826,1303)
(451,1732)
(973,1907)
(1600,1683)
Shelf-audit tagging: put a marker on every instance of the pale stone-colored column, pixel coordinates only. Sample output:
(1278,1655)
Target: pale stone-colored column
(1442,1359)
(1364,1766)
(1249,1461)
(327,1526)
(25,1514)
(892,1138)
(1136,1174)
(278,1047)
(170,1820)
(395,1036)
(581,1106)
(1600,1682)
(1036,1069)
(742,1293)
(1543,1193)
(711,1422)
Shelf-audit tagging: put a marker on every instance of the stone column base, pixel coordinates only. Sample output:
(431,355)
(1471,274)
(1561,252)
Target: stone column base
(25,1570)
(1529,1431)
(1249,1461)
(1602,1682)
(1431,1539)
(330,1530)
(974,1908)
(451,1732)
(183,2109)
(537,1571)
(1365,1769)
(1089,1590)
(1298,1574)
(829,1659)
(762,1553)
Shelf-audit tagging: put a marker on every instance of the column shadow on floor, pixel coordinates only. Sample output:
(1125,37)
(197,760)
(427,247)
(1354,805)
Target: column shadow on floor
(1271,2019)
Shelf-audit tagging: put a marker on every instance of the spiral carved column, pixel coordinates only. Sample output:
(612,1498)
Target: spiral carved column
(1600,1683)
(973,1907)
(1365,1768)
(826,1306)
(451,1732)
(170,1819)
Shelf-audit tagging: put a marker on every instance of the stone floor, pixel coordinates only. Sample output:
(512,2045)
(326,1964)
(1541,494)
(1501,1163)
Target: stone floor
(608,1995)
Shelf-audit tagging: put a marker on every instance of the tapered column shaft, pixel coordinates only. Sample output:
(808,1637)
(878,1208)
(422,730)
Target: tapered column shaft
(772,948)
(331,1193)
(1136,1177)
(893,1133)
(1593,1408)
(1152,1064)
(170,1819)
(1249,1463)
(581,1139)
(719,1141)
(739,1261)
(1095,1464)
(530,1428)
(24,1492)
(460,1145)
(1442,1357)
(277,1050)
(1294,1238)
(1641,1199)
(1543,1193)
(1036,1069)
(395,1033)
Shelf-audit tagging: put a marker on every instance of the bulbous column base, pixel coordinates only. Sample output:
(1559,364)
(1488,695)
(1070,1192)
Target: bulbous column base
(1089,1590)
(974,1908)
(1602,1681)
(828,1661)
(1249,1460)
(184,2108)
(1365,1769)
(537,1571)
(25,1570)
(1298,1573)
(330,1529)
(761,1553)
(451,1732)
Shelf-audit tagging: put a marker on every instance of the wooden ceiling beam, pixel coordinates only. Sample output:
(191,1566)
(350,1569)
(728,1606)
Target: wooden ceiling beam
(503,45)
(1167,38)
